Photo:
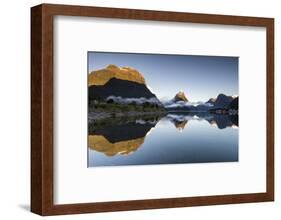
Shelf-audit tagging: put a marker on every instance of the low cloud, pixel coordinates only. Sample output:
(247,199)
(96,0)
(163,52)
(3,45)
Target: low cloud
(181,104)
(138,101)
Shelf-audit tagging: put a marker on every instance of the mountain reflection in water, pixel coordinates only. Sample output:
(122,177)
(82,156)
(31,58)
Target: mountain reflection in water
(120,138)
(220,121)
(204,137)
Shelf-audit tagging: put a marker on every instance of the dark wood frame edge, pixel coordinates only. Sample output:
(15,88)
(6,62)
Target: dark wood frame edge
(36,109)
(42,108)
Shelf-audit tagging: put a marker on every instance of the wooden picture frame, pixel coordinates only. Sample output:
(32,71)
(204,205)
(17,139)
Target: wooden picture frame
(42,106)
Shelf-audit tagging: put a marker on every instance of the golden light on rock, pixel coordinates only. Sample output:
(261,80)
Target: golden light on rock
(101,144)
(180,96)
(102,76)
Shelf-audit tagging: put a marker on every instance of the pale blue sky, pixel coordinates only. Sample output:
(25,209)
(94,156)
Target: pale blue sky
(200,77)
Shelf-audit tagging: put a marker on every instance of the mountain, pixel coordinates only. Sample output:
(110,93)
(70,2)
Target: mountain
(123,85)
(180,96)
(222,101)
(102,76)
(234,104)
(211,101)
(117,87)
(204,107)
(179,102)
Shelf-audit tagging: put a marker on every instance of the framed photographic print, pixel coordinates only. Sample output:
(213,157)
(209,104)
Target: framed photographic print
(138,109)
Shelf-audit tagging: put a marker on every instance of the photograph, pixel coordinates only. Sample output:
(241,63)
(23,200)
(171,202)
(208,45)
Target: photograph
(146,109)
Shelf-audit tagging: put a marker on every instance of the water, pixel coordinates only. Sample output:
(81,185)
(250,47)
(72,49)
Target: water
(172,139)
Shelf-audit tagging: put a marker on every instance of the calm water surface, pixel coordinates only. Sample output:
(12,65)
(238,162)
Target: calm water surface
(174,138)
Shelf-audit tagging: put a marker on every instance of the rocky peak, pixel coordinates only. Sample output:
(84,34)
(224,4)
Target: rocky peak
(180,96)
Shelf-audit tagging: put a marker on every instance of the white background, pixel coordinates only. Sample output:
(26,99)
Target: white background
(15,110)
(75,183)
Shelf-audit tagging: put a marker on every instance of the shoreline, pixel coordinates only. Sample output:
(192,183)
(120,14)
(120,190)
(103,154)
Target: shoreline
(97,116)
